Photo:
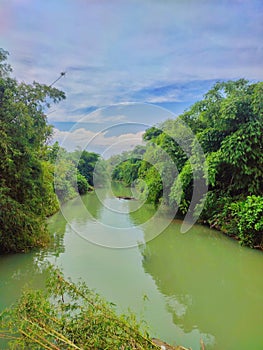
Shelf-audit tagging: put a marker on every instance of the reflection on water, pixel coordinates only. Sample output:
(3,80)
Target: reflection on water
(210,284)
(16,271)
(20,270)
(186,286)
(93,203)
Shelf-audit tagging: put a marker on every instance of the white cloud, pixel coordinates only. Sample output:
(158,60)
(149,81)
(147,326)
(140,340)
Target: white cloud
(112,50)
(97,142)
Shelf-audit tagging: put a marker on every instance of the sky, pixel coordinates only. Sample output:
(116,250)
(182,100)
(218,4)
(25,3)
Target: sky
(129,61)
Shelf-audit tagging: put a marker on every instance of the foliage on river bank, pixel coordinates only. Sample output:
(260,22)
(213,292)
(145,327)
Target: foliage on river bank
(226,127)
(243,219)
(24,174)
(28,165)
(70,316)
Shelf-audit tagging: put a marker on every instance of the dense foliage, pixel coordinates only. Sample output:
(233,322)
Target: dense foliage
(28,164)
(227,126)
(26,196)
(125,167)
(76,171)
(70,316)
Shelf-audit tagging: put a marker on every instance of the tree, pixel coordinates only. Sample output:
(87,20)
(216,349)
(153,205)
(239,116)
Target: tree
(5,68)
(23,134)
(86,165)
(67,178)
(226,126)
(231,136)
(82,184)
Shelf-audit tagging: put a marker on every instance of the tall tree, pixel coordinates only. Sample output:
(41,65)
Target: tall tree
(23,134)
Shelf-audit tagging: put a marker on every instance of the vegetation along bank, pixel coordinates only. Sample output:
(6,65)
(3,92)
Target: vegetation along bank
(228,125)
(29,165)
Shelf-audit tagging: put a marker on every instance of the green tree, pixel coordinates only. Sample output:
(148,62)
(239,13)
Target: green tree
(227,126)
(231,135)
(82,184)
(23,134)
(86,165)
(66,186)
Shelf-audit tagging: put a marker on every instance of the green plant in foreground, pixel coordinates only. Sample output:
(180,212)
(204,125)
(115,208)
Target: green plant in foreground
(69,316)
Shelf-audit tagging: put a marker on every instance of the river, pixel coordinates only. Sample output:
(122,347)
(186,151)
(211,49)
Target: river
(199,284)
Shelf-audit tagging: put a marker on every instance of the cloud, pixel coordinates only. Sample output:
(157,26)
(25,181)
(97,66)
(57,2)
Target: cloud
(97,142)
(136,113)
(118,51)
(175,92)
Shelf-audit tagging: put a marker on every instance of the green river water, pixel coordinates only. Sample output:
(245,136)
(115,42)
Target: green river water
(199,284)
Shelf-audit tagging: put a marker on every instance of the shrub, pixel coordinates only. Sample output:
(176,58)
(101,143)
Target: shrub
(248,216)
(82,183)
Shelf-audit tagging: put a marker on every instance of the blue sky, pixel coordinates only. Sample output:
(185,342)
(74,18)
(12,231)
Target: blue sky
(166,53)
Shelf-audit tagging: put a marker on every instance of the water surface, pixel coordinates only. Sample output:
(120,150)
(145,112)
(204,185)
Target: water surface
(185,286)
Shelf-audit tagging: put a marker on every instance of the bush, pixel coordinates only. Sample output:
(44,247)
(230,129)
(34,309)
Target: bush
(248,217)
(82,183)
